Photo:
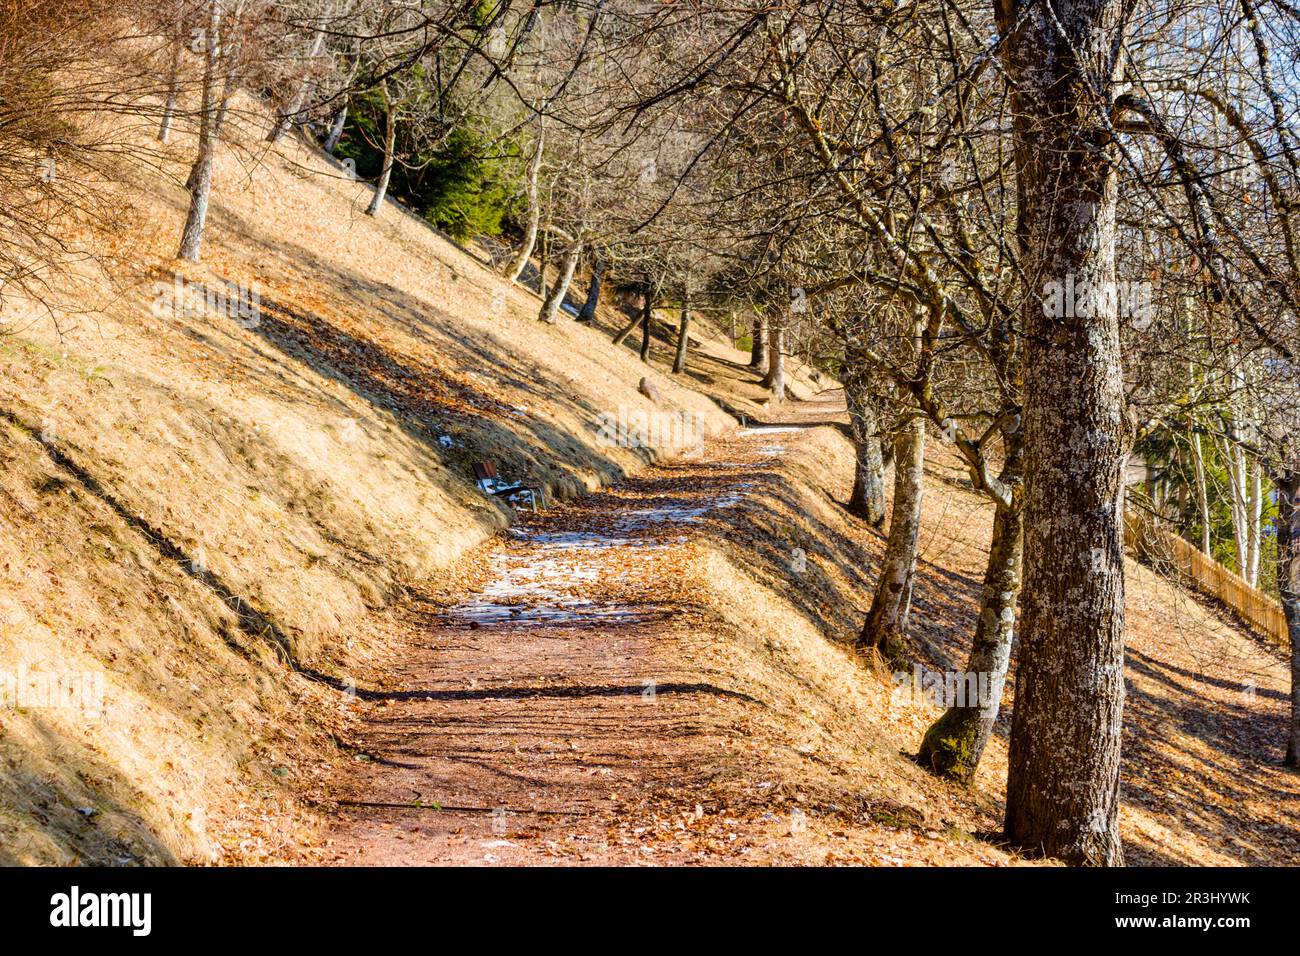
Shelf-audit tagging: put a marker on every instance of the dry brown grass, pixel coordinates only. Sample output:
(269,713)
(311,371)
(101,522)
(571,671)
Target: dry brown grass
(792,748)
(193,509)
(222,502)
(1204,723)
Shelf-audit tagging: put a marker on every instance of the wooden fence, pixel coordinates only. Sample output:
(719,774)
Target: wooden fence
(1169,553)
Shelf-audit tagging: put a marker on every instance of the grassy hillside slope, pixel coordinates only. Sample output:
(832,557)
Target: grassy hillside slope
(205,525)
(1205,716)
(193,507)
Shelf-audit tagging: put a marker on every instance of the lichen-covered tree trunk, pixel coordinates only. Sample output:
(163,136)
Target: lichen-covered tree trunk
(516,266)
(955,742)
(543,259)
(1202,495)
(555,297)
(1064,760)
(336,131)
(390,149)
(587,314)
(758,344)
(775,377)
(647,317)
(683,337)
(1245,500)
(868,498)
(199,183)
(227,95)
(290,115)
(1255,524)
(886,625)
(1288,582)
(173,84)
(867,501)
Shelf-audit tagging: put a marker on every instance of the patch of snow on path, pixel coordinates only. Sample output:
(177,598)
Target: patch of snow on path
(640,519)
(525,587)
(769,430)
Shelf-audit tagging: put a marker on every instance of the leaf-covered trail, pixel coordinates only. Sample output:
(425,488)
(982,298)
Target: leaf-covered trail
(525,724)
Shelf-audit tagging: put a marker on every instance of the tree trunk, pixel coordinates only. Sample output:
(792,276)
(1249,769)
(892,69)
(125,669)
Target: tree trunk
(647,316)
(517,265)
(1064,760)
(886,625)
(1239,479)
(1254,523)
(683,337)
(1288,583)
(390,147)
(173,85)
(286,119)
(627,329)
(955,742)
(758,345)
(1202,494)
(555,297)
(200,179)
(588,313)
(543,260)
(631,326)
(775,377)
(336,131)
(227,92)
(868,498)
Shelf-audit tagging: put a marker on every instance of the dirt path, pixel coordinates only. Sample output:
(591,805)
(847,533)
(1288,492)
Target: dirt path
(593,700)
(526,723)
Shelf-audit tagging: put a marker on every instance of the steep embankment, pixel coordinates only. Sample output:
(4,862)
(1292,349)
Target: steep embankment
(1205,712)
(660,674)
(645,676)
(210,531)
(648,675)
(194,503)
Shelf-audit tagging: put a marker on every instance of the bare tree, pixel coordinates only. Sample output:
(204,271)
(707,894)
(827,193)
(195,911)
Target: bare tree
(213,106)
(515,268)
(389,150)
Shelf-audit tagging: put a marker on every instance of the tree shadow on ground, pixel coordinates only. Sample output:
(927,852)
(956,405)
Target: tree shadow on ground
(443,391)
(73,817)
(1210,794)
